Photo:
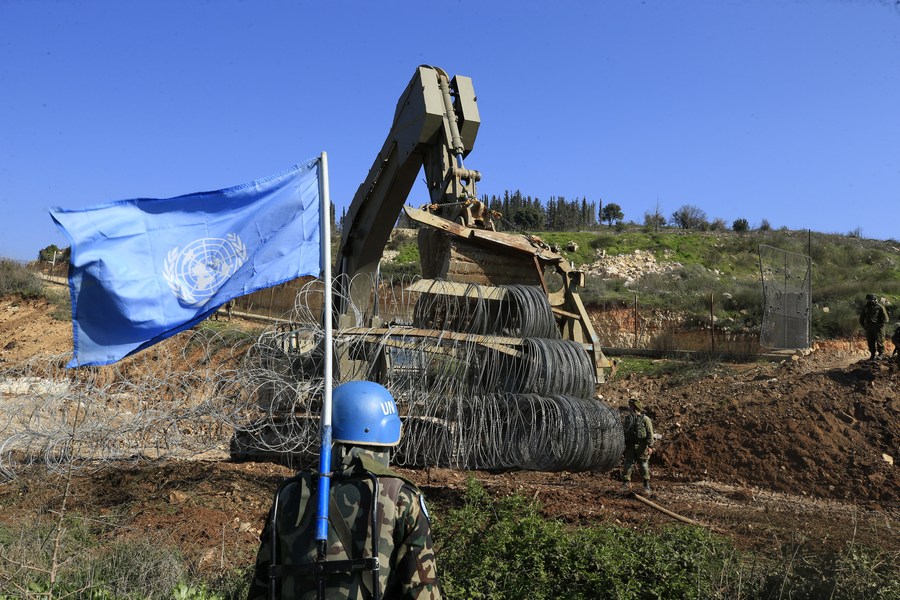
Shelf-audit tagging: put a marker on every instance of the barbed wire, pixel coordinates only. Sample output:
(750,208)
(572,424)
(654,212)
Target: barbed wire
(481,380)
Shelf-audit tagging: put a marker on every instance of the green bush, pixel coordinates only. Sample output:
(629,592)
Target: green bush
(740,225)
(62,302)
(854,573)
(505,549)
(16,279)
(841,321)
(86,567)
(398,270)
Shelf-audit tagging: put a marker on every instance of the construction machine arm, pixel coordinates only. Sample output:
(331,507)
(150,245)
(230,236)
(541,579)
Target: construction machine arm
(435,124)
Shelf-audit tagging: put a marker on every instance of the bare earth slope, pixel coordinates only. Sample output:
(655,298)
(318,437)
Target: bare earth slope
(765,453)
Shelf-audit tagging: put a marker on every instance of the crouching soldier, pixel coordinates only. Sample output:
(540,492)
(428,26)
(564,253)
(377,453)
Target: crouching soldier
(396,561)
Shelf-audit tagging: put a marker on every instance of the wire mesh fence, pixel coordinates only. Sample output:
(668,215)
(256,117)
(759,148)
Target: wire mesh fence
(786,279)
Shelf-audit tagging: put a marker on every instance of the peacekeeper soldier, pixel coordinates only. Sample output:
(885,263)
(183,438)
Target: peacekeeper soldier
(638,445)
(365,427)
(872,318)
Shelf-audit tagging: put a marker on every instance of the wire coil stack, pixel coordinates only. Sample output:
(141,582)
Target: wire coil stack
(493,388)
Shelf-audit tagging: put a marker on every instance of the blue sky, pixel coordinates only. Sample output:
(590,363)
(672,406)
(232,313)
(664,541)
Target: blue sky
(782,110)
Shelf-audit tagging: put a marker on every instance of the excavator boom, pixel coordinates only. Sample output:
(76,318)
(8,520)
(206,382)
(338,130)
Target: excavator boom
(491,357)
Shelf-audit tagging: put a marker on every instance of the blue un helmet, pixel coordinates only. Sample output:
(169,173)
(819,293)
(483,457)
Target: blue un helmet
(363,412)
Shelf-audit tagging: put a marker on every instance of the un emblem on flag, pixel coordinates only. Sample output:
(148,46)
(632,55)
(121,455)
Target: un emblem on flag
(197,271)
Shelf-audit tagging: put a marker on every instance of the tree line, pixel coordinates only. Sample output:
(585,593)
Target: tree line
(558,214)
(527,213)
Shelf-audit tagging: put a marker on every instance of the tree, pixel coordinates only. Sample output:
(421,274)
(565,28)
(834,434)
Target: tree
(741,225)
(612,212)
(50,253)
(652,222)
(689,217)
(529,218)
(765,225)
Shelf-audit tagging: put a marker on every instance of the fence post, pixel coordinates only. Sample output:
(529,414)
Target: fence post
(635,344)
(712,326)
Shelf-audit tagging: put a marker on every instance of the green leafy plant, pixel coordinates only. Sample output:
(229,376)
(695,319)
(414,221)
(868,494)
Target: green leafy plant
(15,278)
(504,548)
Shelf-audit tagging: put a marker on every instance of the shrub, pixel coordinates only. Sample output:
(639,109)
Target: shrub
(395,270)
(16,279)
(841,321)
(740,225)
(61,301)
(505,549)
(854,573)
(602,241)
(689,217)
(86,568)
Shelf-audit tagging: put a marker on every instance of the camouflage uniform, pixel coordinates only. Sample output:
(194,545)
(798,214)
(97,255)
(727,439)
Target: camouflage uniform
(405,549)
(638,444)
(872,318)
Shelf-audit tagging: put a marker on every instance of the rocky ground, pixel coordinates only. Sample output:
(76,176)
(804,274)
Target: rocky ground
(765,453)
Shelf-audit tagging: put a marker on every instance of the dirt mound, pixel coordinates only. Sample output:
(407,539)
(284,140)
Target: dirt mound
(823,426)
(826,434)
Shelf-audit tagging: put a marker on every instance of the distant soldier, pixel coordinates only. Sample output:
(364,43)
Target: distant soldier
(872,318)
(638,444)
(896,340)
(365,426)
(229,309)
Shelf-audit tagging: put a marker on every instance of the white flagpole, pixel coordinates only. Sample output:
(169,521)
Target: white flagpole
(324,491)
(327,315)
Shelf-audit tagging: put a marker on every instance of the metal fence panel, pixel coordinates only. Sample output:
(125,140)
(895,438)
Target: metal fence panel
(786,281)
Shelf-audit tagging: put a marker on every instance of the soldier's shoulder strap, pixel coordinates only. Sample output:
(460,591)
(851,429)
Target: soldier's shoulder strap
(376,468)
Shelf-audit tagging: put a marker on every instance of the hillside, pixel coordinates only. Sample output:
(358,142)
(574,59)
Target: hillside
(678,270)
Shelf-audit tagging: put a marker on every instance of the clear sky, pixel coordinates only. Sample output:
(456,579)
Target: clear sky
(783,110)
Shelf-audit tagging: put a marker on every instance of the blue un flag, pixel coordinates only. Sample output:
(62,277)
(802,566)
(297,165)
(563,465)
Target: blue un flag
(142,270)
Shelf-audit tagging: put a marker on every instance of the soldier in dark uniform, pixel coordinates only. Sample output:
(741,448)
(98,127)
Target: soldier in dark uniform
(365,427)
(896,340)
(638,445)
(872,318)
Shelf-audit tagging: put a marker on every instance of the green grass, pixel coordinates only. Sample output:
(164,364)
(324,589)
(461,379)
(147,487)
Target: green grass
(219,336)
(487,547)
(15,278)
(677,371)
(503,548)
(61,300)
(92,563)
